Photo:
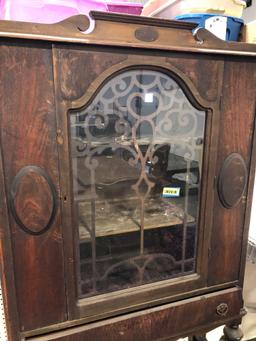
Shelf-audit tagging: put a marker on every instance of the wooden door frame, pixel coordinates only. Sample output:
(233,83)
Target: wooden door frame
(135,298)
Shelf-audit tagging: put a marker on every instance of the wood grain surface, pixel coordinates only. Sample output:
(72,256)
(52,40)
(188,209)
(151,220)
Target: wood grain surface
(236,129)
(40,83)
(167,322)
(28,138)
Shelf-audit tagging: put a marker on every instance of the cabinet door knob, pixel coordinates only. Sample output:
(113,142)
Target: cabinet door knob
(222,309)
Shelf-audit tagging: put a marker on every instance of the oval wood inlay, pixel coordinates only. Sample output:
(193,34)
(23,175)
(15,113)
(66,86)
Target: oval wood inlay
(33,200)
(147,34)
(232,180)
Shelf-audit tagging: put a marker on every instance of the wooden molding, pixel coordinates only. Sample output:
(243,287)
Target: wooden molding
(120,30)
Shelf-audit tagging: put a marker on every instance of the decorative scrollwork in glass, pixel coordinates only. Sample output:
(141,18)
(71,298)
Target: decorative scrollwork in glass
(139,135)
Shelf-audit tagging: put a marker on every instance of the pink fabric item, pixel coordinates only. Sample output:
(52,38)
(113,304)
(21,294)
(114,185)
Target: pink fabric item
(124,7)
(47,11)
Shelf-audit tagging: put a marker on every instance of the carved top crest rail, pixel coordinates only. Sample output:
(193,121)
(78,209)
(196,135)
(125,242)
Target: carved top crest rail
(127,31)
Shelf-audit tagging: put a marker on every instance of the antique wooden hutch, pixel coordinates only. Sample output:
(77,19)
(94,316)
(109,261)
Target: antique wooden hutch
(126,174)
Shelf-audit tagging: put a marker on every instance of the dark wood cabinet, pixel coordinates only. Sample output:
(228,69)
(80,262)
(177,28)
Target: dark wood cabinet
(126,175)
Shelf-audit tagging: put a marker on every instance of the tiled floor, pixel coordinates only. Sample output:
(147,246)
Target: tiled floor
(249,321)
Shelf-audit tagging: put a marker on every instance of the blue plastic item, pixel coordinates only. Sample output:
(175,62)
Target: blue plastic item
(233,24)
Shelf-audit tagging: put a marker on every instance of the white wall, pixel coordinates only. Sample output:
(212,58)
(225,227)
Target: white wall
(250,15)
(252,232)
(250,12)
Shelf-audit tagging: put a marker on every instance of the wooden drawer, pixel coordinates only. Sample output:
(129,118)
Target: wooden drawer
(160,323)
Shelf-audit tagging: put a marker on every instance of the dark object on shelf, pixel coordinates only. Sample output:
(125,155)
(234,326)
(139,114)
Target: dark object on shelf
(234,25)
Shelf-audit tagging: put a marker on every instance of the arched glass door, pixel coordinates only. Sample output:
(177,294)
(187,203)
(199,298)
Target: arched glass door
(137,153)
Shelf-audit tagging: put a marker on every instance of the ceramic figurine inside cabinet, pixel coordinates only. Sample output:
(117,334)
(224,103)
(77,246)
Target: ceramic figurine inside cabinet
(126,175)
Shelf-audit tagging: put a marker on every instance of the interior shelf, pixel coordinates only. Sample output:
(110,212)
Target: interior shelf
(116,217)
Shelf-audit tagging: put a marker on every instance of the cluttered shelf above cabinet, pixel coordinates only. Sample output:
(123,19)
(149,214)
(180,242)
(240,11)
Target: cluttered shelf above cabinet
(110,29)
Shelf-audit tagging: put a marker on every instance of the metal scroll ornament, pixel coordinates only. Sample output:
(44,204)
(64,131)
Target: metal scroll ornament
(132,104)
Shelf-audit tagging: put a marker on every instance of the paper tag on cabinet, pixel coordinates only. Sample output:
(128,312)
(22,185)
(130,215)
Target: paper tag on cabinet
(171,192)
(217,25)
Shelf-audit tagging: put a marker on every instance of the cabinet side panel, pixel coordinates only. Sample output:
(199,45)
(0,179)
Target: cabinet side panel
(236,130)
(28,139)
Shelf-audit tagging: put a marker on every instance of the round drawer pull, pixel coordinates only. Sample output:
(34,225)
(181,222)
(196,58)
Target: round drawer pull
(222,309)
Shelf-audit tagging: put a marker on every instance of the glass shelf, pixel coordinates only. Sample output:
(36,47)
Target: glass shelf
(115,217)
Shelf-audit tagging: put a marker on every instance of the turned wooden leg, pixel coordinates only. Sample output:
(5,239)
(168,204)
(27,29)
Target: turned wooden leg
(232,332)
